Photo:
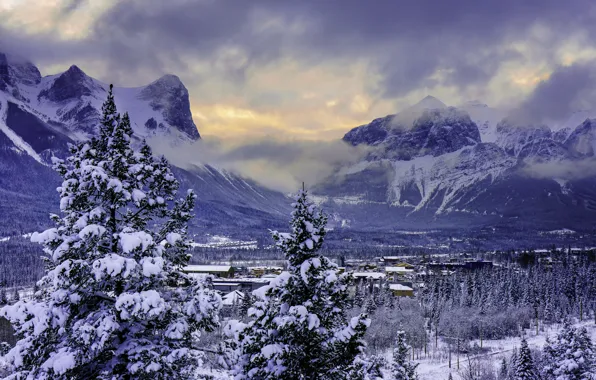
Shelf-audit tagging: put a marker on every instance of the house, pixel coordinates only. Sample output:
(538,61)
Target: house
(225,287)
(363,276)
(367,266)
(241,284)
(398,272)
(222,271)
(400,290)
(232,298)
(395,261)
(260,271)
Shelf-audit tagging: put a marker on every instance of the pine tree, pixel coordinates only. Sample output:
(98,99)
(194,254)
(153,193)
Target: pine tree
(300,328)
(369,368)
(246,304)
(503,370)
(571,357)
(359,297)
(16,296)
(524,364)
(3,297)
(401,367)
(114,302)
(370,306)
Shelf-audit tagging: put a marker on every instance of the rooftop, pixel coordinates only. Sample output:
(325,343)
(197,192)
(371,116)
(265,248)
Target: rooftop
(398,269)
(207,268)
(375,275)
(399,287)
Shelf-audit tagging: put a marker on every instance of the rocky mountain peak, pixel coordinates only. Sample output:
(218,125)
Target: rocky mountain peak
(583,139)
(434,132)
(168,80)
(15,70)
(512,136)
(75,72)
(71,84)
(169,95)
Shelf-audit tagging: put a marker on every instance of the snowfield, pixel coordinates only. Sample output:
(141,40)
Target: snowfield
(437,367)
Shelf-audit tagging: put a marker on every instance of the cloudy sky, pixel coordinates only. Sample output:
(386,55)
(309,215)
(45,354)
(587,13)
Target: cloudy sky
(313,69)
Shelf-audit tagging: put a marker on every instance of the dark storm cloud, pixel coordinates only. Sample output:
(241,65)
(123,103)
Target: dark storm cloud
(405,41)
(568,89)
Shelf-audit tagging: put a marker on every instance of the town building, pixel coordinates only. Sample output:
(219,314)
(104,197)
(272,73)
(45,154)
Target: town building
(222,271)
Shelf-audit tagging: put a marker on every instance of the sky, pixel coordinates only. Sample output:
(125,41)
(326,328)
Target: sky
(314,69)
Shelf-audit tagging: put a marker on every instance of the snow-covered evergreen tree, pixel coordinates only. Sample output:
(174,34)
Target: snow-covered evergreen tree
(300,329)
(570,357)
(401,367)
(524,364)
(503,370)
(368,368)
(358,297)
(114,302)
(370,306)
(246,304)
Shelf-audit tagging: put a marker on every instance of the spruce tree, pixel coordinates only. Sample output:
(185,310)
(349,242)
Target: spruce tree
(370,306)
(246,304)
(503,370)
(299,327)
(571,357)
(524,364)
(358,297)
(369,368)
(401,367)
(114,302)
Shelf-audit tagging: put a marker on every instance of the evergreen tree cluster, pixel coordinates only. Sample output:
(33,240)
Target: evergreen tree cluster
(402,368)
(524,367)
(114,302)
(570,357)
(549,293)
(299,327)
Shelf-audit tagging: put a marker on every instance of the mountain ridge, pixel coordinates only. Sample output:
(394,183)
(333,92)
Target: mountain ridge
(40,116)
(461,175)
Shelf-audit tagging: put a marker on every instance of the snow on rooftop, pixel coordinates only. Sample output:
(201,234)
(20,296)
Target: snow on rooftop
(232,298)
(399,287)
(398,270)
(207,268)
(245,279)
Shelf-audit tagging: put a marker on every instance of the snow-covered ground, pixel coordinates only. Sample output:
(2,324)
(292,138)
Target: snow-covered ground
(217,241)
(435,368)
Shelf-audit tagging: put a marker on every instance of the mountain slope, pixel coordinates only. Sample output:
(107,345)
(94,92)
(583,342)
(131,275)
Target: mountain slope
(40,116)
(437,172)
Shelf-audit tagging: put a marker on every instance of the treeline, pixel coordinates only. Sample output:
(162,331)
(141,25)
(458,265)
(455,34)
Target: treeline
(20,263)
(496,303)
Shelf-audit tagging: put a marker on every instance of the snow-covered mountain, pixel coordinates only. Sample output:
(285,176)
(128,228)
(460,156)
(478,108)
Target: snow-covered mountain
(71,101)
(485,117)
(39,116)
(440,169)
(428,166)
